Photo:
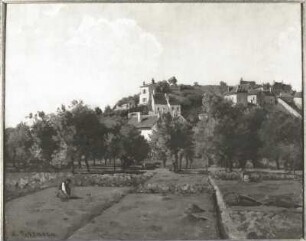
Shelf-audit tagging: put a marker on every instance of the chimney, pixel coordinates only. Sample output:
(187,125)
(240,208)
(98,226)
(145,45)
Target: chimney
(144,83)
(153,81)
(139,117)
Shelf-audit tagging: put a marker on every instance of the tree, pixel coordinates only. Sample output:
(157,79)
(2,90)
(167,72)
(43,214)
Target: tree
(163,87)
(173,137)
(133,148)
(18,142)
(44,136)
(172,81)
(282,136)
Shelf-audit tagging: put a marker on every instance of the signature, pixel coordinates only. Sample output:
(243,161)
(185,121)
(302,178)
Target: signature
(31,234)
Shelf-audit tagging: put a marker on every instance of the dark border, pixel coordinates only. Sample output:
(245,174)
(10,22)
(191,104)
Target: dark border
(3,16)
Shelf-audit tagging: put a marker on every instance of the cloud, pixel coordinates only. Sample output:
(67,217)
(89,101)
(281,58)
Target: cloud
(98,61)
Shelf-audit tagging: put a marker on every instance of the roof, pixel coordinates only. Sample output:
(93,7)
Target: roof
(238,89)
(243,87)
(173,100)
(247,82)
(147,121)
(298,95)
(253,92)
(268,93)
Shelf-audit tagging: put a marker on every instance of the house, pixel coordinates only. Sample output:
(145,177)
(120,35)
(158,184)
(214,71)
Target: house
(146,91)
(279,87)
(126,106)
(298,99)
(238,94)
(267,98)
(253,96)
(163,103)
(146,124)
(252,84)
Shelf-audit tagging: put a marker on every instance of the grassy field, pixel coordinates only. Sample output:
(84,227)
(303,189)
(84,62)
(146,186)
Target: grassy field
(43,216)
(279,217)
(116,213)
(153,216)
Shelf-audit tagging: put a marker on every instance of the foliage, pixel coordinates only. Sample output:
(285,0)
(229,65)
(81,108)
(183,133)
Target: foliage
(172,138)
(74,133)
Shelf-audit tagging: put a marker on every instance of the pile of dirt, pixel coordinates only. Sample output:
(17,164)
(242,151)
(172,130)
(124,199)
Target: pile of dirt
(174,188)
(269,225)
(111,180)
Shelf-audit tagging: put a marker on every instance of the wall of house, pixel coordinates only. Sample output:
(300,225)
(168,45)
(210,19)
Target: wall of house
(298,102)
(161,108)
(146,134)
(144,96)
(242,98)
(176,109)
(232,98)
(252,99)
(269,100)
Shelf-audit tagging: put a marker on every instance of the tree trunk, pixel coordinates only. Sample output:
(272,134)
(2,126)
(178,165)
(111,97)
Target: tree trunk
(230,166)
(175,162)
(180,162)
(72,166)
(277,163)
(187,161)
(87,165)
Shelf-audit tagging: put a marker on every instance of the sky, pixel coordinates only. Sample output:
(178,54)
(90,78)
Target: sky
(99,53)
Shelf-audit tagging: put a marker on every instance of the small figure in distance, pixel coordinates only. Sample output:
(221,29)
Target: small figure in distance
(64,191)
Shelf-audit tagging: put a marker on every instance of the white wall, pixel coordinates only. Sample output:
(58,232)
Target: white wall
(146,134)
(232,98)
(145,95)
(252,99)
(298,102)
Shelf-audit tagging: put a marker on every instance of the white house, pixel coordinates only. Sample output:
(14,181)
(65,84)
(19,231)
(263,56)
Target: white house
(146,91)
(163,103)
(298,99)
(144,123)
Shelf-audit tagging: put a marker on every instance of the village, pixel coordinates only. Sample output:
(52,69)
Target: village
(244,93)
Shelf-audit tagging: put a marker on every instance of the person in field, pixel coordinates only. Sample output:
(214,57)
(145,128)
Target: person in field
(64,190)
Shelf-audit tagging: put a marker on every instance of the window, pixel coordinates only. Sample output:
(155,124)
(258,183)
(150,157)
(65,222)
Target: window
(144,99)
(144,91)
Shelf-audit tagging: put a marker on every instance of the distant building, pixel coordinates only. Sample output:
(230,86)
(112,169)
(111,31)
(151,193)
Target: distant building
(298,99)
(238,94)
(126,106)
(162,103)
(253,96)
(279,87)
(267,98)
(252,84)
(146,124)
(146,91)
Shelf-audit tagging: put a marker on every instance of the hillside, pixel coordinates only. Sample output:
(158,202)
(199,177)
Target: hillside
(188,96)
